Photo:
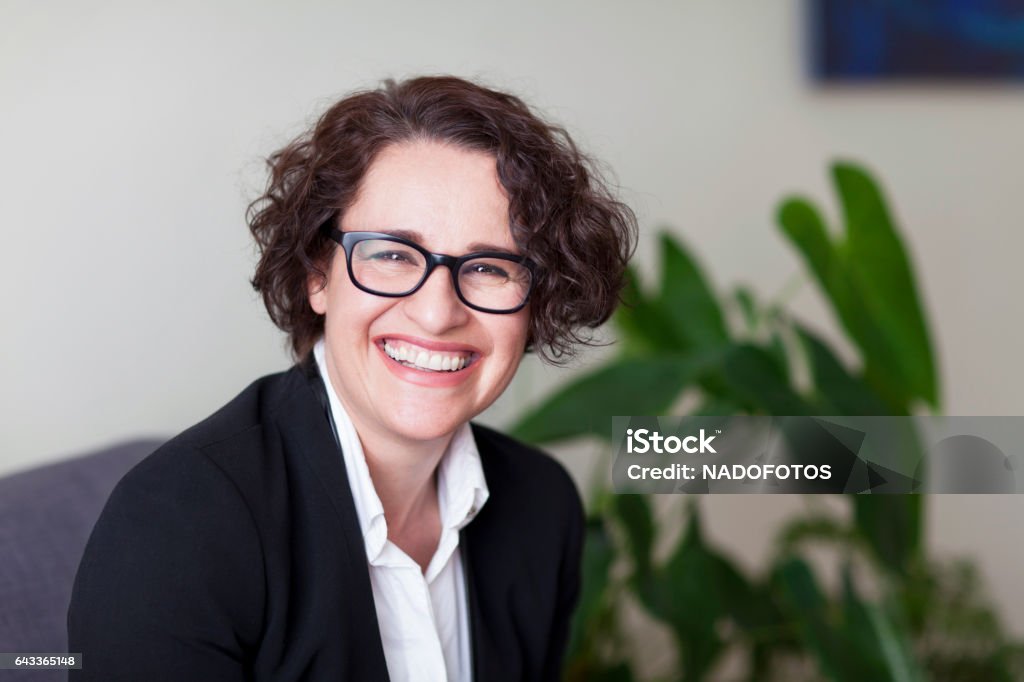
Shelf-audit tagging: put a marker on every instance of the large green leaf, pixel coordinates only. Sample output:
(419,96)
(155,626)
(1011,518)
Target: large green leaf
(686,299)
(634,513)
(744,298)
(749,605)
(801,222)
(868,280)
(644,328)
(629,386)
(755,377)
(804,226)
(882,652)
(859,642)
(891,525)
(684,593)
(694,591)
(881,269)
(839,391)
(807,608)
(716,407)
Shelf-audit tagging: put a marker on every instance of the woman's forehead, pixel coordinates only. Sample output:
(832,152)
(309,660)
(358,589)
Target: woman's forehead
(439,195)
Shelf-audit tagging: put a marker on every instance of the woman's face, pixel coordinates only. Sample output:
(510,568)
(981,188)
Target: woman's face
(449,200)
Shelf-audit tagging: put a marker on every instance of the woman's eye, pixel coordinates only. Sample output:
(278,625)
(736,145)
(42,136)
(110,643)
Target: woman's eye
(489,270)
(391,257)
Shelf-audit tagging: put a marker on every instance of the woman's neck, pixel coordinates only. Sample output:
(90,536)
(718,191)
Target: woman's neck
(405,479)
(404,476)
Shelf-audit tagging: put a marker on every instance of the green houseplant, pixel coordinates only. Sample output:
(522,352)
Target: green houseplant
(928,620)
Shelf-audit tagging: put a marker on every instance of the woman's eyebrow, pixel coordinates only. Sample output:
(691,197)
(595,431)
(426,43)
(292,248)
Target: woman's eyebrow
(415,236)
(482,246)
(410,235)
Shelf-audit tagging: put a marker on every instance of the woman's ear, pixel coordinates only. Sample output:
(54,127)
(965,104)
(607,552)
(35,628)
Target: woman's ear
(316,287)
(529,348)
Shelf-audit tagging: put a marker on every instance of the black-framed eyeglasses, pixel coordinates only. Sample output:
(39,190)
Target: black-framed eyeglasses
(386,265)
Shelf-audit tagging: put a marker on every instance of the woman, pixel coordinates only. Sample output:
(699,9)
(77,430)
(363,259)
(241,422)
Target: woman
(344,520)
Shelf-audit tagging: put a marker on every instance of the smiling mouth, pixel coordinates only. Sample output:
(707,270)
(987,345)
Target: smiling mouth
(423,359)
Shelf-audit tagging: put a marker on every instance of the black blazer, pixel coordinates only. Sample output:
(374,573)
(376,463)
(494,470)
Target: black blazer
(234,553)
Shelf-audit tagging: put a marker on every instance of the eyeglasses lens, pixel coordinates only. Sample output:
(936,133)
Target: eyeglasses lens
(389,267)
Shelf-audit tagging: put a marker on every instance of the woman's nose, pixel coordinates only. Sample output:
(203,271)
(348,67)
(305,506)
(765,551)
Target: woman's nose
(435,307)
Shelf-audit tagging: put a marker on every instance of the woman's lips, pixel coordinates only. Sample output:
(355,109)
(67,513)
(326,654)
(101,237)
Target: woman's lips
(427,344)
(427,363)
(412,355)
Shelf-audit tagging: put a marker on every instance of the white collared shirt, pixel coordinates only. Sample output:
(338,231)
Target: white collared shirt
(423,617)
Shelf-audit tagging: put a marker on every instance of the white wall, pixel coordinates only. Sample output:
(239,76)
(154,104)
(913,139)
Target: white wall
(132,136)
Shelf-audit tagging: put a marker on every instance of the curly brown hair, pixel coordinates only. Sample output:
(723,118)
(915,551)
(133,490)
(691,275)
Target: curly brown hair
(561,212)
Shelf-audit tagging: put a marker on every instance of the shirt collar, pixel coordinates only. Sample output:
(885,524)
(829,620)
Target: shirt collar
(461,486)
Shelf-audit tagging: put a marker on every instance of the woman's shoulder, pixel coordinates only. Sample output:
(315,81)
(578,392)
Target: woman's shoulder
(520,471)
(199,469)
(181,522)
(499,450)
(257,404)
(213,454)
(189,479)
(174,525)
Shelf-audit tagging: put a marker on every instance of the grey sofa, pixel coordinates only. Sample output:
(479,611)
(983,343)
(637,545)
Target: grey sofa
(46,515)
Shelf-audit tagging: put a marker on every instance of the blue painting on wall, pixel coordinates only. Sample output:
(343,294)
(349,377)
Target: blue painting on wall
(863,40)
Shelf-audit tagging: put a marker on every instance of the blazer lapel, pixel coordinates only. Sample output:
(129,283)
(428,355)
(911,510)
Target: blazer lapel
(307,427)
(487,585)
(482,651)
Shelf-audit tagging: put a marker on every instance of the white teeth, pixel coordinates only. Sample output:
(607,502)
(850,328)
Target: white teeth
(421,359)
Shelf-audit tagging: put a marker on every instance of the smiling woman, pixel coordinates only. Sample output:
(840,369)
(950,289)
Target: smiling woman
(345,520)
(450,200)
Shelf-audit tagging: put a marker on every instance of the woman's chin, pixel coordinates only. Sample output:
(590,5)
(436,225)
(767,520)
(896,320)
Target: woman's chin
(424,425)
